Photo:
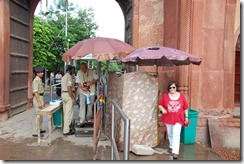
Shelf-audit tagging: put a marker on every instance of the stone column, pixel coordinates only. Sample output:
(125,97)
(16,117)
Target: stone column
(147,26)
(4,62)
(184,44)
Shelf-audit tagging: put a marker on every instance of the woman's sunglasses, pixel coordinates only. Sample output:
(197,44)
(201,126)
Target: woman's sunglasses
(172,87)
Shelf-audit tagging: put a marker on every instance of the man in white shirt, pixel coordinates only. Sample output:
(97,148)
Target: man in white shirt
(86,79)
(58,78)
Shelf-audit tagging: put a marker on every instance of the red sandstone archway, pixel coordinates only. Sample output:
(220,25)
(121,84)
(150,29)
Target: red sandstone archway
(237,74)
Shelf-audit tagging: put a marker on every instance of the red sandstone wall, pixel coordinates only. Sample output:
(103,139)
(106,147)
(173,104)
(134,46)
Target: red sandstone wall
(210,34)
(210,86)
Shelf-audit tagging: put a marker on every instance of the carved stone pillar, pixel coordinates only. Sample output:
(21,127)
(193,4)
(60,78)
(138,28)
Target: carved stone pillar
(184,44)
(4,62)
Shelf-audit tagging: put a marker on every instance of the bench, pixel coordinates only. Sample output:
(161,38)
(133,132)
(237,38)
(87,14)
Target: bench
(48,111)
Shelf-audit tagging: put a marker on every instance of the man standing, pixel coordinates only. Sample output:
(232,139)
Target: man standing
(38,102)
(51,78)
(86,79)
(58,78)
(68,97)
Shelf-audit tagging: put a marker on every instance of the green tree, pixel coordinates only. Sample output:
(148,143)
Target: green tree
(80,25)
(42,37)
(113,66)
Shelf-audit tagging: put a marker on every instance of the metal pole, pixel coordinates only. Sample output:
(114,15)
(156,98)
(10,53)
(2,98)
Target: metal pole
(41,7)
(46,5)
(107,70)
(66,18)
(136,68)
(66,30)
(156,70)
(126,139)
(51,92)
(98,84)
(112,147)
(45,79)
(126,133)
(99,75)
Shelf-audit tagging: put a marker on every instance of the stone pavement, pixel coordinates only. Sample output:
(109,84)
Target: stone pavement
(17,143)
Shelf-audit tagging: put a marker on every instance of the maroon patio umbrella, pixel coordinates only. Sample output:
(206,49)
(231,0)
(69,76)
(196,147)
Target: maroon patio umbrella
(160,56)
(100,48)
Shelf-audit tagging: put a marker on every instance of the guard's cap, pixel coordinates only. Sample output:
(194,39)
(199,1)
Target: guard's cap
(70,67)
(38,69)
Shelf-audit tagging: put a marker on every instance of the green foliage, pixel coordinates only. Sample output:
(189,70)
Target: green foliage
(113,66)
(41,39)
(50,38)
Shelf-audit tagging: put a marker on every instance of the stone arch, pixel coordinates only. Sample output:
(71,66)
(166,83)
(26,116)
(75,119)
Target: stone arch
(126,7)
(237,72)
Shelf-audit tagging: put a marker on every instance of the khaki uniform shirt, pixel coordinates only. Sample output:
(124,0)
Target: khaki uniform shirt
(90,75)
(67,80)
(37,85)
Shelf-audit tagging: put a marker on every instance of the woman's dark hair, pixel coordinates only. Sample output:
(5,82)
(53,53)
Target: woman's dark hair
(171,83)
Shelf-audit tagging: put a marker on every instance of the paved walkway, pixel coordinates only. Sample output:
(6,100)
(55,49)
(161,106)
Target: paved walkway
(17,143)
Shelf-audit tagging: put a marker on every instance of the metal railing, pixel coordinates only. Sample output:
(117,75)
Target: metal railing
(114,149)
(51,89)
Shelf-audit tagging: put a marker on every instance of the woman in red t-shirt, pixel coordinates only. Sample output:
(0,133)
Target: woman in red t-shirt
(173,106)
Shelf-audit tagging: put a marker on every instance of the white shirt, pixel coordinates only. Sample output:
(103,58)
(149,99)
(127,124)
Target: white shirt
(58,78)
(82,77)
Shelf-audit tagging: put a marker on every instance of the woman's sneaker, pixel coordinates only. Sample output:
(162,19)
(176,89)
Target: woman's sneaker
(175,156)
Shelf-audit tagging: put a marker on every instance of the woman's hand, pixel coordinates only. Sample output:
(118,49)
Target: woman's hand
(186,123)
(162,109)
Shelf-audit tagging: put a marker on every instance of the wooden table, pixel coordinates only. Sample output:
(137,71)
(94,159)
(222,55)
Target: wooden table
(48,111)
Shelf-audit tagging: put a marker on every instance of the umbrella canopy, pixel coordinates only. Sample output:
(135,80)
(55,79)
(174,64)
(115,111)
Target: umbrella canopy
(101,48)
(160,56)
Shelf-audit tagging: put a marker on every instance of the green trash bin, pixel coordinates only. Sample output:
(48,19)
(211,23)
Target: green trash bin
(58,117)
(188,133)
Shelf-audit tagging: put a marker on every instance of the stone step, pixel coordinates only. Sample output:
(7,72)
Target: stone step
(236,112)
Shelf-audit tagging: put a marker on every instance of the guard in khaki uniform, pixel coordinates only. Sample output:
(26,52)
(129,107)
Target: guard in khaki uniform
(38,102)
(68,97)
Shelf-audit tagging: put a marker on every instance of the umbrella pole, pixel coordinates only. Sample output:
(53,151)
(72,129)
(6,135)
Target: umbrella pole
(136,68)
(65,65)
(99,75)
(107,70)
(105,93)
(156,70)
(98,91)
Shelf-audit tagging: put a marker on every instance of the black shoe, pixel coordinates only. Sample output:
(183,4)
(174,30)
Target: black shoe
(36,135)
(43,131)
(175,156)
(69,133)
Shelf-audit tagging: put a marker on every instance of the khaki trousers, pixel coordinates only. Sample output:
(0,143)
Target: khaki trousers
(68,111)
(38,125)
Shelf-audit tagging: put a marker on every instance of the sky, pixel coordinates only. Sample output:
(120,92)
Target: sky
(108,16)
